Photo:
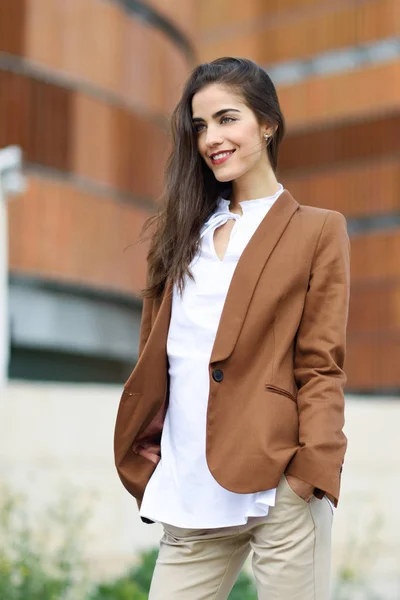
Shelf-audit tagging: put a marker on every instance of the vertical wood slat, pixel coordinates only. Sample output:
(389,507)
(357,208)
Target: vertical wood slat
(37,116)
(12,26)
(14,109)
(324,146)
(50,125)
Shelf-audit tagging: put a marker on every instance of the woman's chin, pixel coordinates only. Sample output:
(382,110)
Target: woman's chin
(224,176)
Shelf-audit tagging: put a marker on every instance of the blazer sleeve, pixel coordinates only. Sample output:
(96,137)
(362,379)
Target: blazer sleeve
(318,362)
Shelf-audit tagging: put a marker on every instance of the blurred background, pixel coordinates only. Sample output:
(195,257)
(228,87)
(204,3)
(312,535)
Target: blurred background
(86,90)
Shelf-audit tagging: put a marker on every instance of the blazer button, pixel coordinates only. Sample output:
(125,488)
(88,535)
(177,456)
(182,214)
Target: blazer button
(217,375)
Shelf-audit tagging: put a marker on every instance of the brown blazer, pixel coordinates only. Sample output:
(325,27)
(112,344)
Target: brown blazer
(276,399)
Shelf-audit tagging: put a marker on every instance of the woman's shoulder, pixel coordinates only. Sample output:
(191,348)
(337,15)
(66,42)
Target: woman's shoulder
(316,216)
(321,224)
(318,212)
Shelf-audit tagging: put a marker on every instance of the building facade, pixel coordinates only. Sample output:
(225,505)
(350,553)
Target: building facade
(86,87)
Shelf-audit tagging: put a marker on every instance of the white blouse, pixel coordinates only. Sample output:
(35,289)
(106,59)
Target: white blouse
(182,491)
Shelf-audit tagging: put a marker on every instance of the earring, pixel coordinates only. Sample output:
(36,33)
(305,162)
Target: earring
(266,138)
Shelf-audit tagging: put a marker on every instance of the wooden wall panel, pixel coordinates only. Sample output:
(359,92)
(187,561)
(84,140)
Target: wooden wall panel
(81,37)
(361,189)
(100,44)
(14,109)
(137,74)
(12,26)
(341,143)
(154,81)
(375,257)
(69,235)
(303,34)
(78,133)
(92,144)
(375,308)
(50,125)
(94,36)
(373,340)
(372,364)
(117,148)
(226,13)
(173,84)
(183,14)
(38,119)
(349,95)
(44,31)
(140,154)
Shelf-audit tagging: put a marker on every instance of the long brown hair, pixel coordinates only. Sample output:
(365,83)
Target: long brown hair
(191,190)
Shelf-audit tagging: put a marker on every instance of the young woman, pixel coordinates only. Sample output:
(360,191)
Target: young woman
(229,430)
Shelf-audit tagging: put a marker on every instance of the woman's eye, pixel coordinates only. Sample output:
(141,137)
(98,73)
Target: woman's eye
(201,126)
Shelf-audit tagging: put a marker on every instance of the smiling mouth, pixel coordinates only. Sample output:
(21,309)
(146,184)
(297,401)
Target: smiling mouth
(220,157)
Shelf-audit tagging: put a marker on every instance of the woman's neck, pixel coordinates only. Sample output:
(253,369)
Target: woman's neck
(253,186)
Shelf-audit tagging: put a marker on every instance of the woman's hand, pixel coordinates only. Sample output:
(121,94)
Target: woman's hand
(151,452)
(301,488)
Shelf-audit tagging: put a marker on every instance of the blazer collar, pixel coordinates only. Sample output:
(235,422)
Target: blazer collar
(247,273)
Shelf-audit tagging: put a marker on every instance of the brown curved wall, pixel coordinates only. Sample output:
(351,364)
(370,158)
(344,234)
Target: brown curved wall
(99,44)
(215,15)
(80,134)
(181,13)
(85,90)
(272,35)
(366,189)
(353,95)
(68,234)
(374,327)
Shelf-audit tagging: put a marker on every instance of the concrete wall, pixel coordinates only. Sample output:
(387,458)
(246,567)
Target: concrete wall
(55,438)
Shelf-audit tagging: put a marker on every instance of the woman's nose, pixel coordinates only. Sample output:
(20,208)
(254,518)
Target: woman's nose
(213,138)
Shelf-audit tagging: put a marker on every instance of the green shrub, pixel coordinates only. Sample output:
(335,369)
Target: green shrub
(121,589)
(134,585)
(143,572)
(244,588)
(40,566)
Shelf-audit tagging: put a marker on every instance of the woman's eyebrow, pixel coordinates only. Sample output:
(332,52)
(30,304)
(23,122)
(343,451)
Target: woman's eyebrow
(217,114)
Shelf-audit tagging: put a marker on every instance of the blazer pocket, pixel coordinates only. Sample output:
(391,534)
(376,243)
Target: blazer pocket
(281,391)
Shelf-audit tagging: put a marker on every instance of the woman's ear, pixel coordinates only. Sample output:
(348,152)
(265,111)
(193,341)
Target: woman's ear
(270,130)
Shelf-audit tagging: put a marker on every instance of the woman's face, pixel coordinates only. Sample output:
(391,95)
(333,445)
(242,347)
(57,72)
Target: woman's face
(230,139)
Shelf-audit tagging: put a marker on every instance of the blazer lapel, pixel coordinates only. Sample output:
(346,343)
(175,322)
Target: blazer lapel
(247,273)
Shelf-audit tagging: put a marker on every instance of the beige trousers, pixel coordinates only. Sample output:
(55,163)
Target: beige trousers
(291,554)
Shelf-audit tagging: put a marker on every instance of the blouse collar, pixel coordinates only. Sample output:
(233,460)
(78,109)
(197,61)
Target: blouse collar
(248,206)
(222,212)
